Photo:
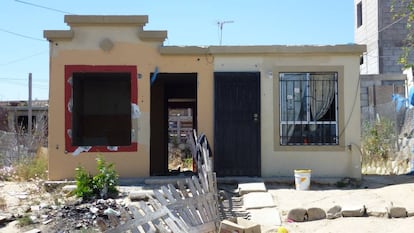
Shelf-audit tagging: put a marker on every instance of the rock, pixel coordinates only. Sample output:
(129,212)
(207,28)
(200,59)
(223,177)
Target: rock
(47,221)
(34,208)
(410,212)
(297,215)
(397,212)
(33,231)
(353,211)
(68,188)
(140,195)
(111,211)
(334,212)
(44,206)
(93,210)
(316,214)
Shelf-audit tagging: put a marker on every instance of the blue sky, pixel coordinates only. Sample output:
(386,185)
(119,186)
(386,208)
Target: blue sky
(23,49)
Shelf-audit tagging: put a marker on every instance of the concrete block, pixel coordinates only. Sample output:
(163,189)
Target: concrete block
(258,200)
(297,215)
(353,211)
(316,214)
(245,188)
(334,212)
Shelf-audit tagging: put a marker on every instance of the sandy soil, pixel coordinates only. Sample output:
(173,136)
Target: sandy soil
(375,192)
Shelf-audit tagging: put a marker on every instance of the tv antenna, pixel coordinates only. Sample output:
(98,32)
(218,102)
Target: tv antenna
(220,26)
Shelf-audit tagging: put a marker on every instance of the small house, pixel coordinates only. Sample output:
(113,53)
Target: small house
(266,110)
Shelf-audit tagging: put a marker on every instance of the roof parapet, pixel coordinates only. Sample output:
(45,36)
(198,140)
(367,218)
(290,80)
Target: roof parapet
(75,20)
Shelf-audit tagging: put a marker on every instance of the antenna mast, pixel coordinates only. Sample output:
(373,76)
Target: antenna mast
(220,25)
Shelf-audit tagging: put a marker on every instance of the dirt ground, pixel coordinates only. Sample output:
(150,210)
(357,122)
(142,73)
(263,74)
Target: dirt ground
(373,192)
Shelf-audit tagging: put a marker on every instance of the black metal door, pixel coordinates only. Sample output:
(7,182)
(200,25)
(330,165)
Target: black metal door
(237,123)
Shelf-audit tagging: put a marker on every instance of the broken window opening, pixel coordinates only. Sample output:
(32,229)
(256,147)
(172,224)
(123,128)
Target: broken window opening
(101,113)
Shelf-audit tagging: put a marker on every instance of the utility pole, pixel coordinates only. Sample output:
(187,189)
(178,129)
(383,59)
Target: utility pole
(220,25)
(29,106)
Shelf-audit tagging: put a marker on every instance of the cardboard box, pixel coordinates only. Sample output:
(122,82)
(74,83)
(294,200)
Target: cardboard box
(239,225)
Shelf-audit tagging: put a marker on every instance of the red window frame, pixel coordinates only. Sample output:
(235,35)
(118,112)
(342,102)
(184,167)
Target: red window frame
(69,70)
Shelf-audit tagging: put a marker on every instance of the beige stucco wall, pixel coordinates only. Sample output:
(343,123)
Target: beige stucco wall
(337,161)
(84,49)
(82,46)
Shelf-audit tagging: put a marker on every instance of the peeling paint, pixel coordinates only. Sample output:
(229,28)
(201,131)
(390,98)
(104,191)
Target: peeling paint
(112,148)
(81,149)
(135,111)
(69,132)
(70,104)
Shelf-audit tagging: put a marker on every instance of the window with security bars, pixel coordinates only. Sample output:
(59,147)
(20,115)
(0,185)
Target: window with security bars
(308,108)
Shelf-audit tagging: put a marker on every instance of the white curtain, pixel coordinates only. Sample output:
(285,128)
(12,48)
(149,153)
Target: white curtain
(322,93)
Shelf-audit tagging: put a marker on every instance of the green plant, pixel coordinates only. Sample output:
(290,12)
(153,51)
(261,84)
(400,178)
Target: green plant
(103,184)
(106,180)
(377,139)
(31,168)
(188,163)
(25,221)
(83,183)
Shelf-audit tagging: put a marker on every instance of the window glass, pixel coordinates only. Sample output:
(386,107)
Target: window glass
(308,108)
(359,14)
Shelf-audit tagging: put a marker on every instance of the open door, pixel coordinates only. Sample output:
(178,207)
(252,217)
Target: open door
(173,115)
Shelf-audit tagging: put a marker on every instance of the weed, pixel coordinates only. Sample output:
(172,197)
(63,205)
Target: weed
(103,184)
(377,140)
(25,221)
(31,168)
(83,183)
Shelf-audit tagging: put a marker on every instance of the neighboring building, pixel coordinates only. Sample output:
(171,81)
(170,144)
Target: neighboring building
(14,115)
(266,110)
(383,35)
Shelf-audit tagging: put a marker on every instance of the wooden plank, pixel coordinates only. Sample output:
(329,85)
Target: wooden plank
(146,226)
(184,210)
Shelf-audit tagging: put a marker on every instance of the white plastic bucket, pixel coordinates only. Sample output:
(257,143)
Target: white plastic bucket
(302,179)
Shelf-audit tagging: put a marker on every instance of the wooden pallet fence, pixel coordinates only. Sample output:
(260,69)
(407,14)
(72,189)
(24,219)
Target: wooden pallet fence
(191,203)
(146,217)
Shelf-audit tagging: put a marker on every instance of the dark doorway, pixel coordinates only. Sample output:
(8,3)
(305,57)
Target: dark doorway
(173,113)
(237,123)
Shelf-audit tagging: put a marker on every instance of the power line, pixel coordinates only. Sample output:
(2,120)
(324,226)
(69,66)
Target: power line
(43,7)
(21,35)
(23,58)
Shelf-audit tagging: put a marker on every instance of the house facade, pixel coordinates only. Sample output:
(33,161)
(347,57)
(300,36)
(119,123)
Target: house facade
(266,110)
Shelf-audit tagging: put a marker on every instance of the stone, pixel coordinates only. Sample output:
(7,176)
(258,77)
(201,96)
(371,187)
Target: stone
(353,211)
(34,208)
(410,212)
(397,212)
(297,215)
(257,200)
(140,195)
(245,188)
(316,213)
(33,231)
(334,212)
(47,221)
(68,188)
